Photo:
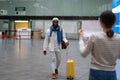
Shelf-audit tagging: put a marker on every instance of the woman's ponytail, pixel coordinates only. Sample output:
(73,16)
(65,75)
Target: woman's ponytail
(108,19)
(110,33)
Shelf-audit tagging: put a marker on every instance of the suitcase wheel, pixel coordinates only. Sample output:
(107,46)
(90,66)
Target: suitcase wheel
(70,78)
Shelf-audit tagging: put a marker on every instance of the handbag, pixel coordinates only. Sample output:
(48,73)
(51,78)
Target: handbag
(63,44)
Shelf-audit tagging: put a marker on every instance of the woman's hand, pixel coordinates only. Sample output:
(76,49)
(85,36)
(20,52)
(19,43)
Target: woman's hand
(80,34)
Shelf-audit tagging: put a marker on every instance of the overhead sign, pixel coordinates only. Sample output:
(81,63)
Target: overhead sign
(3,12)
(20,10)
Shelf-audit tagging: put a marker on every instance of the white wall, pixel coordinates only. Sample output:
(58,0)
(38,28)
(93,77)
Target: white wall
(70,26)
(90,26)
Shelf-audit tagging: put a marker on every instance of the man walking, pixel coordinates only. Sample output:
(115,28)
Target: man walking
(52,43)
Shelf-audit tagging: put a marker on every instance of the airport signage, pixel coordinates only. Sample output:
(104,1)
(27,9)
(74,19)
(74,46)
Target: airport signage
(3,12)
(20,10)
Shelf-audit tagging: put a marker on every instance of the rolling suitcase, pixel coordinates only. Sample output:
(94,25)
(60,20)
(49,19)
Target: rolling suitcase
(69,68)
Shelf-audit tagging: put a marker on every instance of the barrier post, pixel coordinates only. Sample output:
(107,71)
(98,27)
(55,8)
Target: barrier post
(19,42)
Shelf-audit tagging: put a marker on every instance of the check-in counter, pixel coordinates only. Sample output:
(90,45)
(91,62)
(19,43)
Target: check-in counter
(23,34)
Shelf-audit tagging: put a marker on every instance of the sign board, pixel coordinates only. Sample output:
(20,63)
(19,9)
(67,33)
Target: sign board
(20,10)
(6,24)
(23,33)
(3,12)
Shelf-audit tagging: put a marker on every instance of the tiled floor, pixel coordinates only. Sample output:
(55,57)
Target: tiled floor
(24,60)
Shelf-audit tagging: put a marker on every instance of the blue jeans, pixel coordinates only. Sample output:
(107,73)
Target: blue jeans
(102,75)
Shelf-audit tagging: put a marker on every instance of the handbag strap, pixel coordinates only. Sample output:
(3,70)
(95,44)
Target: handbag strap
(67,49)
(62,32)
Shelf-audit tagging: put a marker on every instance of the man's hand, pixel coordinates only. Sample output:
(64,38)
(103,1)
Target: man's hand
(67,43)
(44,52)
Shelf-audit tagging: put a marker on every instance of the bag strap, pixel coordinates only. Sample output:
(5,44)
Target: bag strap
(62,33)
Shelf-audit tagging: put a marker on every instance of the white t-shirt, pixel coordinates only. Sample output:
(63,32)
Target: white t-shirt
(56,45)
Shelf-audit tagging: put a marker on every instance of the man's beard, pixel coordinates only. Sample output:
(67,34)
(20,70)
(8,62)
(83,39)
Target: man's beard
(55,26)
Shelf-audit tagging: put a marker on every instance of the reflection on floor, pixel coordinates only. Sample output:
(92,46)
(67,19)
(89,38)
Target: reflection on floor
(24,60)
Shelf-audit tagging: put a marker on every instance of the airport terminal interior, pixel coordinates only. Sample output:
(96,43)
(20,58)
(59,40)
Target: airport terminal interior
(23,24)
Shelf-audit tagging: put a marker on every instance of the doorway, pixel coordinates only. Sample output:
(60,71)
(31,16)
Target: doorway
(21,24)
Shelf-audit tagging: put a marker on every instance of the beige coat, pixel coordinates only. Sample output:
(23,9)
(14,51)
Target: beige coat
(104,51)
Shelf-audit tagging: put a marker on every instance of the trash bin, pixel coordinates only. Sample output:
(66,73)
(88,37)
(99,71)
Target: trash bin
(37,34)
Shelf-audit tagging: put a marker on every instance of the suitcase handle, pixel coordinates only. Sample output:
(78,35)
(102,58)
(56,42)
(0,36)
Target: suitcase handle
(67,51)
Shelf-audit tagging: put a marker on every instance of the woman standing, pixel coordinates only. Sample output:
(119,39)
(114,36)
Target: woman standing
(104,48)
